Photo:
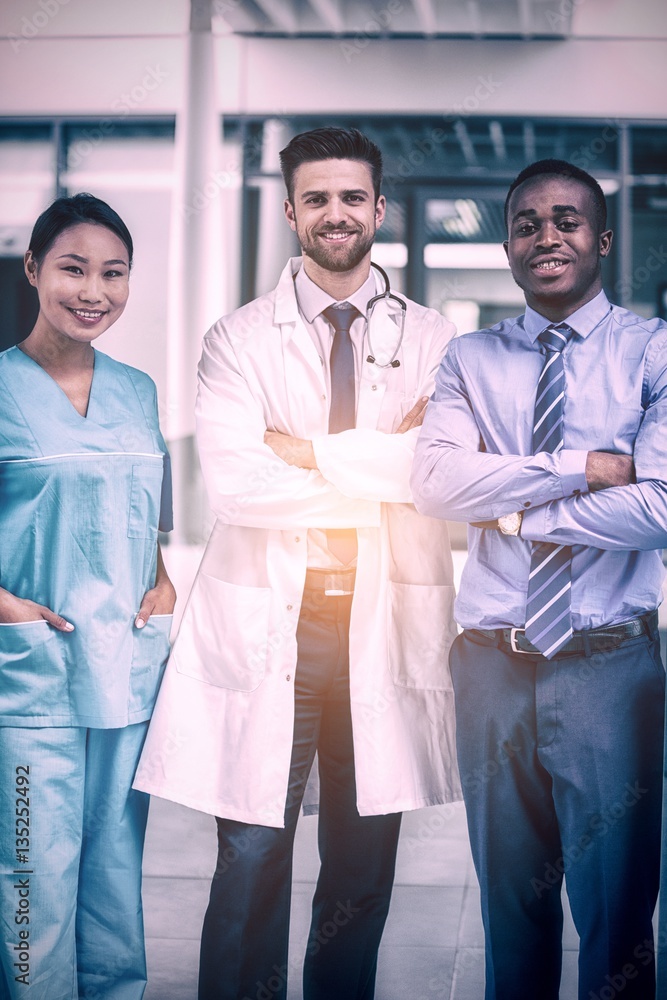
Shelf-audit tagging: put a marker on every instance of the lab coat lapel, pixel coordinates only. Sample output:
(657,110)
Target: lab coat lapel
(303,367)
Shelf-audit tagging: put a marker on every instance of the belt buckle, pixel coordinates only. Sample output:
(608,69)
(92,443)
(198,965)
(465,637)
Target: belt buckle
(513,645)
(337,583)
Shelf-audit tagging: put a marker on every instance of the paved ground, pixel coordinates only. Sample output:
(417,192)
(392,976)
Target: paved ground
(432,947)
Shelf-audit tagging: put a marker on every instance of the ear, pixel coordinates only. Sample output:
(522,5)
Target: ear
(30,267)
(506,248)
(380,210)
(288,208)
(605,242)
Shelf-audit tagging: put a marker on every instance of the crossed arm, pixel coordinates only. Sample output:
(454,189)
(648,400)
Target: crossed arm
(595,498)
(300,452)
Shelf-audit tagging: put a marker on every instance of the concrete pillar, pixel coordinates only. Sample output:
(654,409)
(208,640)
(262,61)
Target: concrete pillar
(196,292)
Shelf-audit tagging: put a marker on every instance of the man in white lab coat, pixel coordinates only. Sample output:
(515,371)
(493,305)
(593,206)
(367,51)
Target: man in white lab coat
(321,617)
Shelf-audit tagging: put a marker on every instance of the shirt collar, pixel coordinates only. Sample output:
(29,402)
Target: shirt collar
(313,299)
(583,321)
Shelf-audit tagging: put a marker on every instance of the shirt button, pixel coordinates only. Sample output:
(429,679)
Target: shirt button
(297,539)
(289,607)
(526,503)
(324,397)
(373,387)
(289,677)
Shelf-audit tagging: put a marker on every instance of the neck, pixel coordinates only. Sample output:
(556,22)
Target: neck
(556,310)
(338,284)
(56,353)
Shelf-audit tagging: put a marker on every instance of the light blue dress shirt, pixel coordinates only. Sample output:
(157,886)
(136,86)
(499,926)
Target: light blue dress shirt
(473,463)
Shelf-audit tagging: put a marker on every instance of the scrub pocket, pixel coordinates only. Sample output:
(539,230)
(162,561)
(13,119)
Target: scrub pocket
(420,635)
(224,638)
(33,671)
(150,651)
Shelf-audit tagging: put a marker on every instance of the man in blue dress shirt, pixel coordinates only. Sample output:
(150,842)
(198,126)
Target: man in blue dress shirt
(548,434)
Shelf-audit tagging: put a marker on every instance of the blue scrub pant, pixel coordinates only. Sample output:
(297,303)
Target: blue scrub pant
(561,765)
(246,928)
(70,898)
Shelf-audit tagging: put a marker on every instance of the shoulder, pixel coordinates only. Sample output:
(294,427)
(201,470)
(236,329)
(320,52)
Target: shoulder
(423,323)
(121,372)
(8,358)
(626,320)
(248,322)
(643,337)
(507,335)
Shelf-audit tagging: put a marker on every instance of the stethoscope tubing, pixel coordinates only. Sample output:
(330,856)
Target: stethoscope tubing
(386,295)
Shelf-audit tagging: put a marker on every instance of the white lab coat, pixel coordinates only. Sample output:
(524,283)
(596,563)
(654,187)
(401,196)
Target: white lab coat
(221,735)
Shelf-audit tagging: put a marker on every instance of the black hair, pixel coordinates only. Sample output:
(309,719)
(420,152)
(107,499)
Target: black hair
(330,143)
(563,169)
(67,212)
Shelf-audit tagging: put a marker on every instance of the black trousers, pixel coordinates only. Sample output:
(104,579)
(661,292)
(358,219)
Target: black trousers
(246,927)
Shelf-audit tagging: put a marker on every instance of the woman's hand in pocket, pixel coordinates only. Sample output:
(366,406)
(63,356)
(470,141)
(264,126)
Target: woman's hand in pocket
(15,610)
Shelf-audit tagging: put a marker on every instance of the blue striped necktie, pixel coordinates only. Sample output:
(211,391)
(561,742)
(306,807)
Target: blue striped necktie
(342,542)
(548,617)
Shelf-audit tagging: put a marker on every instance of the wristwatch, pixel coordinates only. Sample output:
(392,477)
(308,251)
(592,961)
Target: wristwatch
(510,524)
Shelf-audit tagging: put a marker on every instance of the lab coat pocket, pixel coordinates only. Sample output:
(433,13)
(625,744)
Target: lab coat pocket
(33,672)
(145,493)
(150,650)
(421,632)
(223,637)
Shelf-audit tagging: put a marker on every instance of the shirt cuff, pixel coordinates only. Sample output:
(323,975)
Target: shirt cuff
(534,524)
(572,470)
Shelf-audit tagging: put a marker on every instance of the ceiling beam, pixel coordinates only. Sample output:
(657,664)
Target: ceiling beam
(280,13)
(425,12)
(465,143)
(330,13)
(475,18)
(498,140)
(529,141)
(526,18)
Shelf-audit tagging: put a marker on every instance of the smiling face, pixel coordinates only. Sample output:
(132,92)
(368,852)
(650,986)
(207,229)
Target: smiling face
(82,282)
(555,246)
(334,215)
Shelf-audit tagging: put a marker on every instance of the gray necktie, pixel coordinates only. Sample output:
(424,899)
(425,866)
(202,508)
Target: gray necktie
(342,542)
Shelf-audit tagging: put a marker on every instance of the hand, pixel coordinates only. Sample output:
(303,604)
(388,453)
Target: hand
(604,470)
(415,417)
(14,610)
(292,450)
(158,601)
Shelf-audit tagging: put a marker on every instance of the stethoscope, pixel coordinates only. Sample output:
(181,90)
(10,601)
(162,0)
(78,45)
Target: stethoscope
(385,295)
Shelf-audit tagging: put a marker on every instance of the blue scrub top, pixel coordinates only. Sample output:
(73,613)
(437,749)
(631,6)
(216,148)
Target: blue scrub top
(81,500)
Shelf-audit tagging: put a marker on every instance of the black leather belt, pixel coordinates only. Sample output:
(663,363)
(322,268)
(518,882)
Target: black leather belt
(331,582)
(513,640)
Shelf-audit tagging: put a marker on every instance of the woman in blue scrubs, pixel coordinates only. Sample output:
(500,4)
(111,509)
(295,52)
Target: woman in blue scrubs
(85,612)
